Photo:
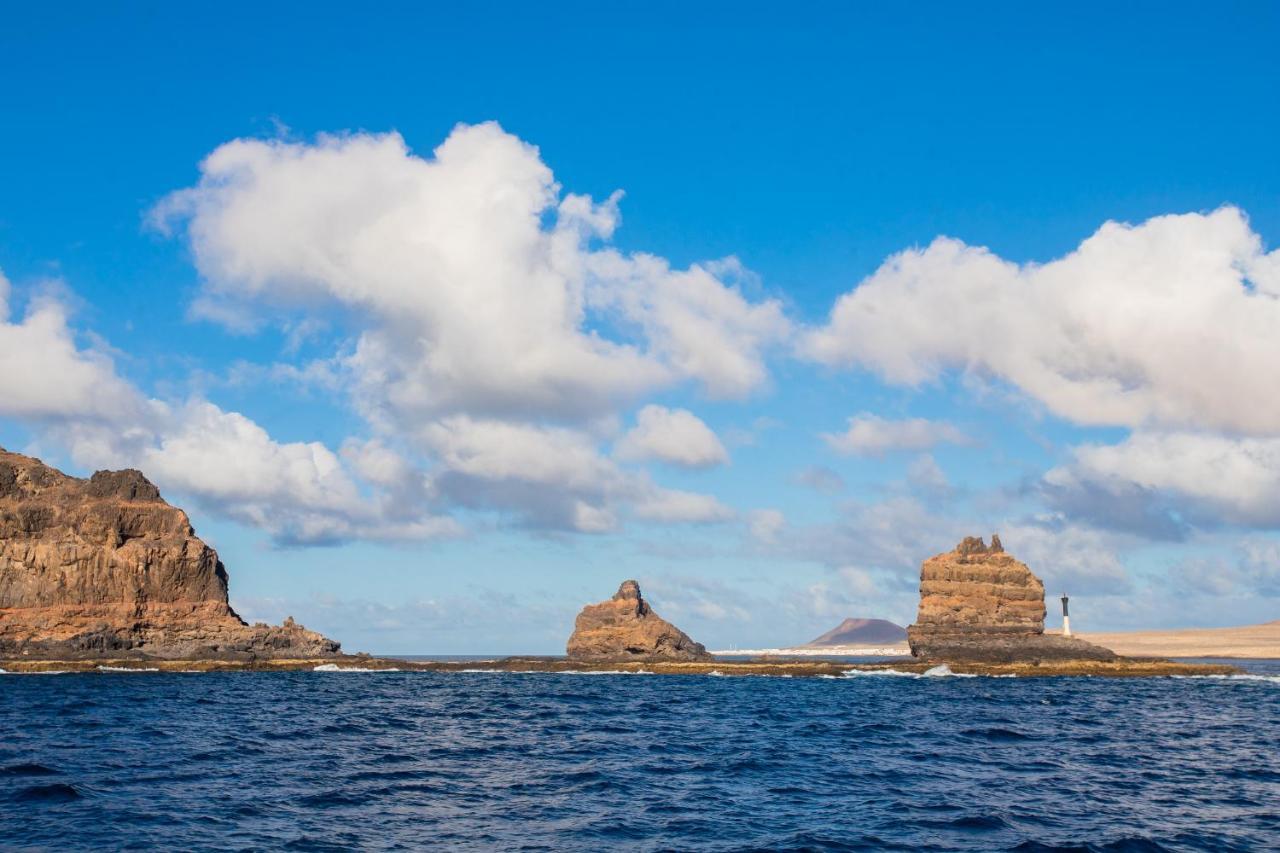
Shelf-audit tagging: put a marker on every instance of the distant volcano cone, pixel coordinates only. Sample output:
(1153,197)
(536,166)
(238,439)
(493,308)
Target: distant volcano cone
(863,632)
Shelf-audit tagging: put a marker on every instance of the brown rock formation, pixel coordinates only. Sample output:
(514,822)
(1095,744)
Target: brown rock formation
(977,603)
(105,567)
(626,628)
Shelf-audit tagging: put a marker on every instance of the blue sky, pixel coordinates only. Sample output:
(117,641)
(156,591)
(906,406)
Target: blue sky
(424,395)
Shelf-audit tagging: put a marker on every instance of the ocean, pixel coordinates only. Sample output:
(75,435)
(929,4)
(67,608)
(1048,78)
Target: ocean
(483,761)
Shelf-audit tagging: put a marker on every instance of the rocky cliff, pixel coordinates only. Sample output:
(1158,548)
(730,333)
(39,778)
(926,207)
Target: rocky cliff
(105,567)
(626,628)
(978,603)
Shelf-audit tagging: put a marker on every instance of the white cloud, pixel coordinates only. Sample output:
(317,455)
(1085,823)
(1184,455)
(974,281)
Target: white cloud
(494,329)
(673,506)
(226,463)
(1206,476)
(693,321)
(821,479)
(470,302)
(671,435)
(44,375)
(1068,558)
(852,592)
(299,492)
(925,474)
(492,332)
(766,525)
(892,535)
(498,450)
(550,477)
(1171,322)
(872,435)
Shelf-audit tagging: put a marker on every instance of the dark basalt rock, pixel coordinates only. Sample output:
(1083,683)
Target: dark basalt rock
(127,485)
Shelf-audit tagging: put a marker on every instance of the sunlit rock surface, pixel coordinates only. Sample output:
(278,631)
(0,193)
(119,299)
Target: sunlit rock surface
(105,567)
(626,628)
(978,603)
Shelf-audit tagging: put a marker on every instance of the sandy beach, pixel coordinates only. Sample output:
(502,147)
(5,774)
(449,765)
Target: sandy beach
(1246,641)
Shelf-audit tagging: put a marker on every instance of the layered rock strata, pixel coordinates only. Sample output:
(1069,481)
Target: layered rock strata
(104,567)
(978,603)
(626,628)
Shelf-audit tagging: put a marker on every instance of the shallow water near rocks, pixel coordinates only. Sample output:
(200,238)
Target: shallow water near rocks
(406,760)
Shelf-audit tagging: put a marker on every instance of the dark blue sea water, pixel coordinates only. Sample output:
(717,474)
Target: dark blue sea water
(347,760)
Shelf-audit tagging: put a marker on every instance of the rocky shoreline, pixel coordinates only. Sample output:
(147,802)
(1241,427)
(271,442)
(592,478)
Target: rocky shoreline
(103,574)
(1121,668)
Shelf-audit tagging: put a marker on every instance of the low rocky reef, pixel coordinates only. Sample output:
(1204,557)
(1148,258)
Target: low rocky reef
(1122,668)
(106,568)
(625,628)
(979,604)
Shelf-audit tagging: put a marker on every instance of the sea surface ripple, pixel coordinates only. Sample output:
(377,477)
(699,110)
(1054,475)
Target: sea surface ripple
(410,760)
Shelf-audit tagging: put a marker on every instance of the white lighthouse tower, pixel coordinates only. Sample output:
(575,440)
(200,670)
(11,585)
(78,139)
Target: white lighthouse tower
(1066,617)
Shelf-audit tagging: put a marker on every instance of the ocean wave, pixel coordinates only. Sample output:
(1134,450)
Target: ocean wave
(939,671)
(944,671)
(604,672)
(37,672)
(128,668)
(858,673)
(57,792)
(333,667)
(562,763)
(556,672)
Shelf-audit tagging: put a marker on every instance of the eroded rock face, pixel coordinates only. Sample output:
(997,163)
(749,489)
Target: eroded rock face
(626,628)
(978,603)
(105,567)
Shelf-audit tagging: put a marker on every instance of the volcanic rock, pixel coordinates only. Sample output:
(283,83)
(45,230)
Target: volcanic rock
(105,567)
(978,603)
(862,632)
(626,628)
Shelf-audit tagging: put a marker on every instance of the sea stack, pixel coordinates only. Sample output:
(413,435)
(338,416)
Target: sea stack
(104,567)
(626,628)
(978,603)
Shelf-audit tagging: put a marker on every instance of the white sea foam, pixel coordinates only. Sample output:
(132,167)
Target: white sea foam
(128,669)
(558,672)
(603,672)
(942,671)
(857,673)
(939,671)
(37,672)
(333,667)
